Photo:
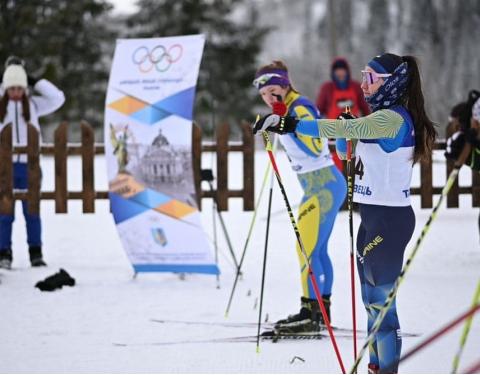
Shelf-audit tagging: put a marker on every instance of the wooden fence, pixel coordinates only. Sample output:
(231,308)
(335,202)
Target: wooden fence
(427,190)
(87,149)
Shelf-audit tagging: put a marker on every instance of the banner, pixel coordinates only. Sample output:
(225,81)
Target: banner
(148,134)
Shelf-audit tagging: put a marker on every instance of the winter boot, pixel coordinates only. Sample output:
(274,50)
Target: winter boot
(6,259)
(36,258)
(307,320)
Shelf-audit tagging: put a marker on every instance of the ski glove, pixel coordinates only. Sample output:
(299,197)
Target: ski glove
(345,116)
(471,136)
(455,146)
(32,81)
(276,124)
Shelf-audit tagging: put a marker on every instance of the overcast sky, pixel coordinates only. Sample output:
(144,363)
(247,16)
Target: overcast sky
(124,6)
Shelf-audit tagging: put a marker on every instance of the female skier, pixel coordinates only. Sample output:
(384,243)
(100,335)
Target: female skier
(324,190)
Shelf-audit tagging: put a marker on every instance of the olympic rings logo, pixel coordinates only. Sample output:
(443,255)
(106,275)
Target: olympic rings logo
(159,57)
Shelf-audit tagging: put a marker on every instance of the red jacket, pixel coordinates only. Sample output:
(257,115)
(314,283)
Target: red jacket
(331,100)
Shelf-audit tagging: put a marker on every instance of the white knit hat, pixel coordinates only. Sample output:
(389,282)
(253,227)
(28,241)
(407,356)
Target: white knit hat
(476,111)
(14,75)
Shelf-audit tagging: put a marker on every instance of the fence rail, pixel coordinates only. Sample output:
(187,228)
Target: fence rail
(87,149)
(61,149)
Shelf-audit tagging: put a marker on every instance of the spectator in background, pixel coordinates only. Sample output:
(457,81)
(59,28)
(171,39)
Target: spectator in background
(340,92)
(468,132)
(19,108)
(454,118)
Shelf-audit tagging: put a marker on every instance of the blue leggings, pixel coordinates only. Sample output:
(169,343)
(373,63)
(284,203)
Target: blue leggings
(34,229)
(324,193)
(383,234)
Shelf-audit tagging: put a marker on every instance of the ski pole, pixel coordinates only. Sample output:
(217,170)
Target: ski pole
(393,292)
(207,175)
(473,369)
(302,248)
(262,288)
(215,239)
(466,331)
(249,234)
(350,225)
(467,315)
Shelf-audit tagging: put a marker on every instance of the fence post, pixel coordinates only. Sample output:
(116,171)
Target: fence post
(452,197)
(197,162)
(60,154)
(34,173)
(88,180)
(426,186)
(475,188)
(248,167)
(6,172)
(223,132)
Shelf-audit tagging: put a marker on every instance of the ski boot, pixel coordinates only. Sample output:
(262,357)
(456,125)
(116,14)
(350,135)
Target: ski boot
(373,369)
(36,258)
(6,259)
(308,320)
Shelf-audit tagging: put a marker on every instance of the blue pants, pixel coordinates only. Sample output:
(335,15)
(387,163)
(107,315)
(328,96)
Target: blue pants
(324,193)
(383,234)
(34,229)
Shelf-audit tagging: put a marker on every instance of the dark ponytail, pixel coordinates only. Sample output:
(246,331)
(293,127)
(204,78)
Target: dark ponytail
(425,132)
(3,106)
(25,107)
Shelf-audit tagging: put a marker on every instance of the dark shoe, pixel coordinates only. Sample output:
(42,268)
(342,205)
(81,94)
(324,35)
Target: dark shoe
(56,281)
(6,259)
(36,258)
(309,319)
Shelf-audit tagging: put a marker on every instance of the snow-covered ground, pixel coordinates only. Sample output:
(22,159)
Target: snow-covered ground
(75,329)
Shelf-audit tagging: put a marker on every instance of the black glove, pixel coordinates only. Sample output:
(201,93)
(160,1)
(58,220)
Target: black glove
(276,124)
(471,136)
(455,145)
(56,281)
(345,116)
(32,80)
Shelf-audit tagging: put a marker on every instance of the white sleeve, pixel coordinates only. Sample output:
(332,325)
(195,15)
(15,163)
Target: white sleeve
(50,98)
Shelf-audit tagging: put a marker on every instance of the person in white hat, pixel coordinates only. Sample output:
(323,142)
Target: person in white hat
(19,109)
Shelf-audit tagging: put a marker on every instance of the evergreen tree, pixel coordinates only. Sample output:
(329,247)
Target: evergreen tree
(63,41)
(229,61)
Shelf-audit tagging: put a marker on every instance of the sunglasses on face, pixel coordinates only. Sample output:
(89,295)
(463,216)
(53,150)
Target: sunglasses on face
(372,77)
